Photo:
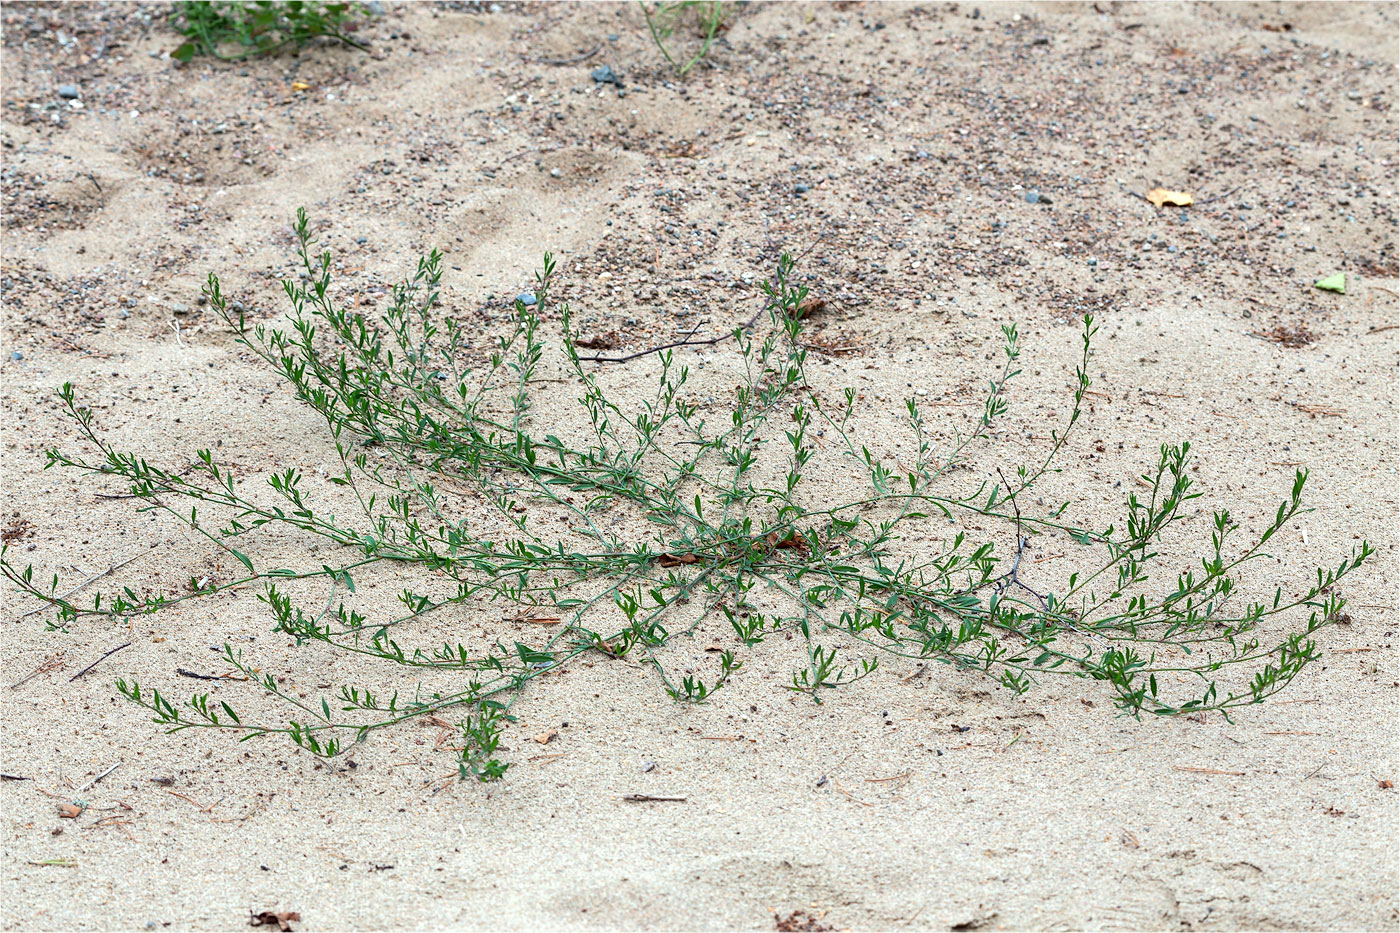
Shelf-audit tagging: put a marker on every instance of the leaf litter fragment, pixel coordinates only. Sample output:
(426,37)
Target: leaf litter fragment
(1333,283)
(1160,196)
(281,920)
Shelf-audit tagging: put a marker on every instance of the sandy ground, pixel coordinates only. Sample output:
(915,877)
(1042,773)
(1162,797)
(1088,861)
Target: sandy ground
(915,133)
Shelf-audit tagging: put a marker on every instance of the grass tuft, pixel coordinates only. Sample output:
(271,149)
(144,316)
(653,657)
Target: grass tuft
(664,17)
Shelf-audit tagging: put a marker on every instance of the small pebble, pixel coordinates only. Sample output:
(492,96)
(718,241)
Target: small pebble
(604,74)
(802,189)
(16,355)
(1032,197)
(526,298)
(68,91)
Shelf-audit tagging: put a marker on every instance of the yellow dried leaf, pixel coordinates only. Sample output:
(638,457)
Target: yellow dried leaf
(300,86)
(1160,196)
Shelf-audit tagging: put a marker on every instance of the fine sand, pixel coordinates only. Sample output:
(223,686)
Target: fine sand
(895,145)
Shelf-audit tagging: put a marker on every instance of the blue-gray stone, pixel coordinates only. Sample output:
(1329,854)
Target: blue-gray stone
(604,74)
(16,355)
(802,189)
(68,91)
(525,298)
(1032,197)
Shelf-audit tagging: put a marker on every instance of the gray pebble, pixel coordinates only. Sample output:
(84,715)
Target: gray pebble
(526,298)
(802,189)
(68,91)
(375,8)
(604,74)
(16,355)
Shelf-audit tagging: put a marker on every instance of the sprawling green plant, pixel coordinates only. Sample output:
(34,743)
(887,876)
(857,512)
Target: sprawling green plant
(238,29)
(674,527)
